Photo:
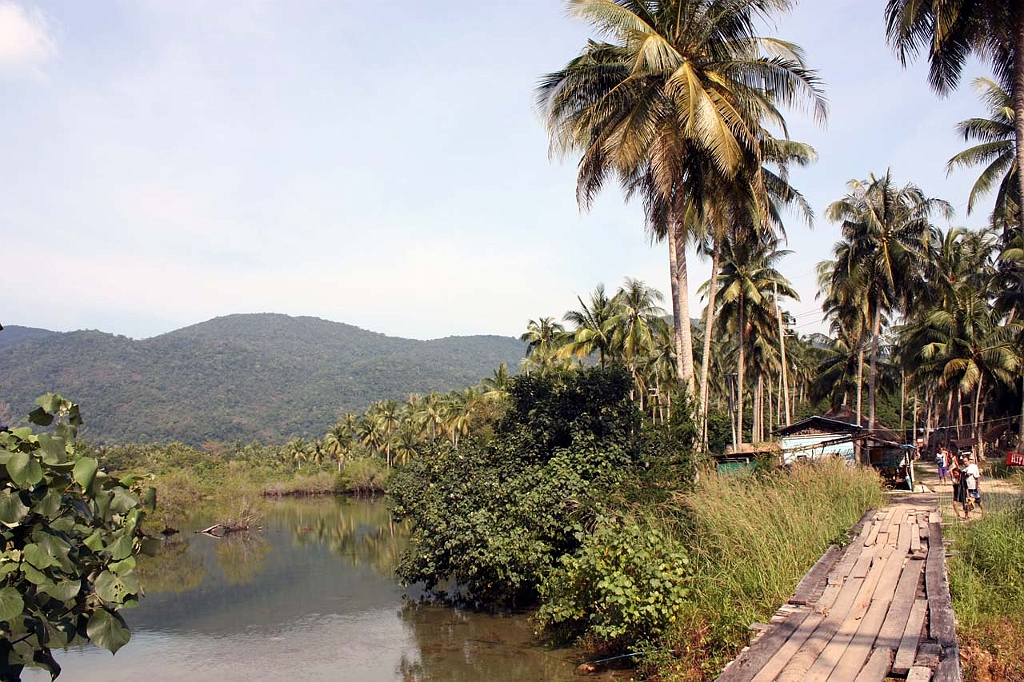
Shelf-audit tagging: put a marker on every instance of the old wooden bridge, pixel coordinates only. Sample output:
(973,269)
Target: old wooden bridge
(876,609)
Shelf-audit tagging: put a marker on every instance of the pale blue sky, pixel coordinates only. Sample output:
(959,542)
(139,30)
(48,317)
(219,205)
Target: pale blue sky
(163,162)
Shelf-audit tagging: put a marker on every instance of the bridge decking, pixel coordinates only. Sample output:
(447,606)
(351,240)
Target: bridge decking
(877,609)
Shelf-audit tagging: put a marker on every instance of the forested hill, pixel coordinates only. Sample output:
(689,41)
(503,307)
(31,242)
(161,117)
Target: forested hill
(241,377)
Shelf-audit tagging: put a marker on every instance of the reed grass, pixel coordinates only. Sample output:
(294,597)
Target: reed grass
(752,537)
(986,582)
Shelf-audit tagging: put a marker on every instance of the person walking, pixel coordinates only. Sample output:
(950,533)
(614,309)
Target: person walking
(943,461)
(956,477)
(972,474)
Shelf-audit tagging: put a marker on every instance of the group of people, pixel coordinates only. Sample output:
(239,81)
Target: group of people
(964,474)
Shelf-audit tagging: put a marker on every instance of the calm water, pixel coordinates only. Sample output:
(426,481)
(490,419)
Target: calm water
(311,597)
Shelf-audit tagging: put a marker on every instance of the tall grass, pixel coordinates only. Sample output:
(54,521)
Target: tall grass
(986,582)
(752,537)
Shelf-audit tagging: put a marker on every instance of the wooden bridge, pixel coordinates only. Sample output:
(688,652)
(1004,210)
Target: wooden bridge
(876,609)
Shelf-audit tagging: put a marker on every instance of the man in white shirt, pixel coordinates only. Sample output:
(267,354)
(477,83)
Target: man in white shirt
(973,474)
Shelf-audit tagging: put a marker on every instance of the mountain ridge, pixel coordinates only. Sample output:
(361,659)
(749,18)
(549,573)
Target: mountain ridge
(264,376)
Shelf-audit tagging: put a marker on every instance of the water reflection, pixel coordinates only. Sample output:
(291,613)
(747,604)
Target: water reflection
(311,597)
(174,569)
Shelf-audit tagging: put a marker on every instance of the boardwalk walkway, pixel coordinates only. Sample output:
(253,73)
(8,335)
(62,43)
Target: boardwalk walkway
(876,609)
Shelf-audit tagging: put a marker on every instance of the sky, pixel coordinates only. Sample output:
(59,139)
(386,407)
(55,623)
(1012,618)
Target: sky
(382,164)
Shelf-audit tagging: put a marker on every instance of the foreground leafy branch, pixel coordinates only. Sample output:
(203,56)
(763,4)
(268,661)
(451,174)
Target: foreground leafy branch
(70,537)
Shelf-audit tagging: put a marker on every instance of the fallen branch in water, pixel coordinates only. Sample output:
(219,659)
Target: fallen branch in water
(219,530)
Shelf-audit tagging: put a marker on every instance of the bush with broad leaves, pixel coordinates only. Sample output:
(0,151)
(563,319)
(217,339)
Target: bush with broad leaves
(70,537)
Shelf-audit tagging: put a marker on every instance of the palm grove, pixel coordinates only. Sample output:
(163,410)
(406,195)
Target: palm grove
(682,105)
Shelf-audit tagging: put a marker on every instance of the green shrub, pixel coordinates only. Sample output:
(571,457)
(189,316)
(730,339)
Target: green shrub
(493,519)
(624,585)
(366,475)
(70,537)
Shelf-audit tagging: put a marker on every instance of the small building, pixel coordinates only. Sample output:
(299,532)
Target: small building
(841,432)
(820,436)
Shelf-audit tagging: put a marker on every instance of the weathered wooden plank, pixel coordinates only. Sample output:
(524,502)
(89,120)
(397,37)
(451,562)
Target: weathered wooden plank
(942,622)
(816,642)
(844,634)
(915,536)
(851,553)
(750,662)
(899,612)
(907,652)
(786,652)
(876,670)
(948,670)
(942,626)
(876,526)
(863,565)
(919,673)
(861,645)
(903,543)
(888,519)
(814,581)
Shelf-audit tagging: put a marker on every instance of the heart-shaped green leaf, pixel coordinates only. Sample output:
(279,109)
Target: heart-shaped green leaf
(12,509)
(107,630)
(85,471)
(11,603)
(24,469)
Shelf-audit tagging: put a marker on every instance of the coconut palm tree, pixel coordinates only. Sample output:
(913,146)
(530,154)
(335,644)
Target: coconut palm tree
(738,212)
(297,451)
(636,308)
(747,281)
(542,335)
(545,339)
(996,151)
(659,368)
(678,95)
(953,30)
(496,387)
(592,326)
(974,351)
(888,233)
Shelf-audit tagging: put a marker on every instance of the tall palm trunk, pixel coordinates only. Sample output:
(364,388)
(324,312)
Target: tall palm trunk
(913,439)
(876,332)
(977,417)
(681,305)
(739,374)
(759,417)
(860,384)
(705,361)
(782,354)
(903,405)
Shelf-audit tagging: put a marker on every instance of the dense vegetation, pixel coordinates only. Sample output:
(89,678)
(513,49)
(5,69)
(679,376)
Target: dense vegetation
(986,580)
(71,534)
(492,518)
(269,377)
(581,504)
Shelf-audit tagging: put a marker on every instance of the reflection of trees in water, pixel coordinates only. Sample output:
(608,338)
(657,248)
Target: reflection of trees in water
(173,569)
(241,556)
(463,646)
(361,533)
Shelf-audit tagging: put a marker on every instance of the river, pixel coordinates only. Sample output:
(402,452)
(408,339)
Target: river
(312,596)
